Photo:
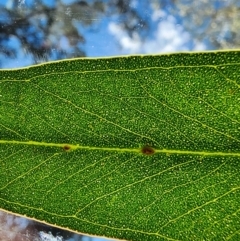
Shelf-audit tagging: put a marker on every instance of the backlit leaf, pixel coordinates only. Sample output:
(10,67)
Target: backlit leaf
(137,148)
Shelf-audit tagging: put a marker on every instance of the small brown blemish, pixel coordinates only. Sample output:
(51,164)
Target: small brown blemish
(66,147)
(147,150)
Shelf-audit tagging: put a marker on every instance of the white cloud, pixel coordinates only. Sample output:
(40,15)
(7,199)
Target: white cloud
(168,37)
(129,45)
(198,46)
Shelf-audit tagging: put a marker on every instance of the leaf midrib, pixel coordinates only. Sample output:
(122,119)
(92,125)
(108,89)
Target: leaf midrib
(110,149)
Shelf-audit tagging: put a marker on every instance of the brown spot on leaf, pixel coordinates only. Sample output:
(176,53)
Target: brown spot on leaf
(147,150)
(66,147)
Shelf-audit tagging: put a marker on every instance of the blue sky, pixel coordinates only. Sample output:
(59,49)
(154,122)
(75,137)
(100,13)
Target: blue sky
(165,35)
(108,38)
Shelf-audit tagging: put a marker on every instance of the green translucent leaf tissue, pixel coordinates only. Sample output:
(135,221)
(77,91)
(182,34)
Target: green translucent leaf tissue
(135,148)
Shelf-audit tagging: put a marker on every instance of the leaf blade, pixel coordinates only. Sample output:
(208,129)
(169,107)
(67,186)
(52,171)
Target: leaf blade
(186,106)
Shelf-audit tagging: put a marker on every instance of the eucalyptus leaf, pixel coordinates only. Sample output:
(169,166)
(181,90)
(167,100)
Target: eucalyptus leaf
(136,148)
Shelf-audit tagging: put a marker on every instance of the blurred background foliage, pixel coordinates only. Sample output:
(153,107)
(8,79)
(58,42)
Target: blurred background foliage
(39,27)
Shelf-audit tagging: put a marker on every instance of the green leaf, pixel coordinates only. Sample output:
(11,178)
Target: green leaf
(136,148)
